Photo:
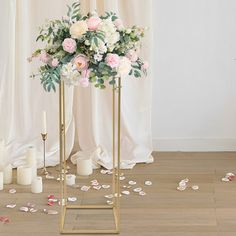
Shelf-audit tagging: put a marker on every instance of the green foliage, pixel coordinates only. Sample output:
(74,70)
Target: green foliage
(74,11)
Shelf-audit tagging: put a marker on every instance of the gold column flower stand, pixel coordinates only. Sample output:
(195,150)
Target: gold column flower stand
(115,207)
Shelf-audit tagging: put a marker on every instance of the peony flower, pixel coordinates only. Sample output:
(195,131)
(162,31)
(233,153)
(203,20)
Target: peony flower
(78,29)
(93,22)
(69,45)
(132,55)
(44,57)
(145,65)
(119,24)
(112,60)
(55,62)
(81,62)
(124,67)
(84,80)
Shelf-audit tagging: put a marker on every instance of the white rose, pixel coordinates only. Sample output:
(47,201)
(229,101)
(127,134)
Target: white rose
(78,29)
(124,67)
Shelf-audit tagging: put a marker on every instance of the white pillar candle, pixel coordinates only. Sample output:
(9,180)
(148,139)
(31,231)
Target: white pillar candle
(44,123)
(7,174)
(37,185)
(70,179)
(1,180)
(84,166)
(31,160)
(24,175)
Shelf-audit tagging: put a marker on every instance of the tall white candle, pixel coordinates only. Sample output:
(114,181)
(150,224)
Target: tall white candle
(31,160)
(1,180)
(24,175)
(44,123)
(84,166)
(70,179)
(37,185)
(2,153)
(7,174)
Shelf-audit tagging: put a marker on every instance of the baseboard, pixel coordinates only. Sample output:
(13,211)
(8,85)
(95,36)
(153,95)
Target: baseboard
(194,144)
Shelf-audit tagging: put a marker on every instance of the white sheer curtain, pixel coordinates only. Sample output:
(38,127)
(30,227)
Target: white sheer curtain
(88,110)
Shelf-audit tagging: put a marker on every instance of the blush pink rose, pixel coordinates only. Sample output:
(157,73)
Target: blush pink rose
(93,22)
(132,55)
(55,62)
(81,62)
(44,57)
(112,60)
(119,24)
(69,45)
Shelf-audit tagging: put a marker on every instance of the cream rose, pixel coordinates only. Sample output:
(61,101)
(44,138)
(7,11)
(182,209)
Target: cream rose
(78,29)
(124,67)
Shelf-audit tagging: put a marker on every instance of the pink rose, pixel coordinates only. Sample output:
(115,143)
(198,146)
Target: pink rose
(81,62)
(84,80)
(119,24)
(112,60)
(93,22)
(145,65)
(132,55)
(55,62)
(69,45)
(44,57)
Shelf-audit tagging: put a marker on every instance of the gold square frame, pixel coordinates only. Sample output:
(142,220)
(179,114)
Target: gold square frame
(116,110)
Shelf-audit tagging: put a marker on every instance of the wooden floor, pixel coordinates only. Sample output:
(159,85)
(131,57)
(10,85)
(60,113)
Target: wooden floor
(164,211)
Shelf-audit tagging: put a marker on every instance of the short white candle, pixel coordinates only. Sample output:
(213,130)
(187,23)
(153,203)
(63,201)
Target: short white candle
(24,175)
(1,180)
(44,123)
(70,179)
(7,174)
(37,185)
(84,166)
(31,160)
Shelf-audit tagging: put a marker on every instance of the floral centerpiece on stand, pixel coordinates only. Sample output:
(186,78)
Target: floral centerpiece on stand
(88,49)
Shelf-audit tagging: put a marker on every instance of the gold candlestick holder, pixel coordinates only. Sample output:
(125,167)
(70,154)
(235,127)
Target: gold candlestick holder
(44,170)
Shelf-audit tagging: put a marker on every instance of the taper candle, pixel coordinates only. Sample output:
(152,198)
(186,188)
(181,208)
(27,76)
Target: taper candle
(7,174)
(24,175)
(44,123)
(1,180)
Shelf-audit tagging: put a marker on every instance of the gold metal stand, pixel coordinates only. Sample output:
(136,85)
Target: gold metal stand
(44,170)
(115,207)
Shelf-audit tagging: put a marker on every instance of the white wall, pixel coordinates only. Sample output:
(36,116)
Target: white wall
(194,87)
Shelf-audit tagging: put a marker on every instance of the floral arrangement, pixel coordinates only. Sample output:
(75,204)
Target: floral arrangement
(88,49)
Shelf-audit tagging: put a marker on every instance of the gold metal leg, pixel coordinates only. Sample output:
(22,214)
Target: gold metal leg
(116,110)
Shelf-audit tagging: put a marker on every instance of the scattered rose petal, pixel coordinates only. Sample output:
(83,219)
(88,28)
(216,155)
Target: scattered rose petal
(53,200)
(231,178)
(94,183)
(50,177)
(24,209)
(109,196)
(142,193)
(122,178)
(12,191)
(185,180)
(225,179)
(97,187)
(137,190)
(106,186)
(182,184)
(33,210)
(126,192)
(131,182)
(85,188)
(229,174)
(11,206)
(4,219)
(52,212)
(195,187)
(103,171)
(148,183)
(51,196)
(109,202)
(72,199)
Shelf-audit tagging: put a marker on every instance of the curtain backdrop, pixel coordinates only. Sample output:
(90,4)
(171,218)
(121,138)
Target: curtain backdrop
(88,110)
